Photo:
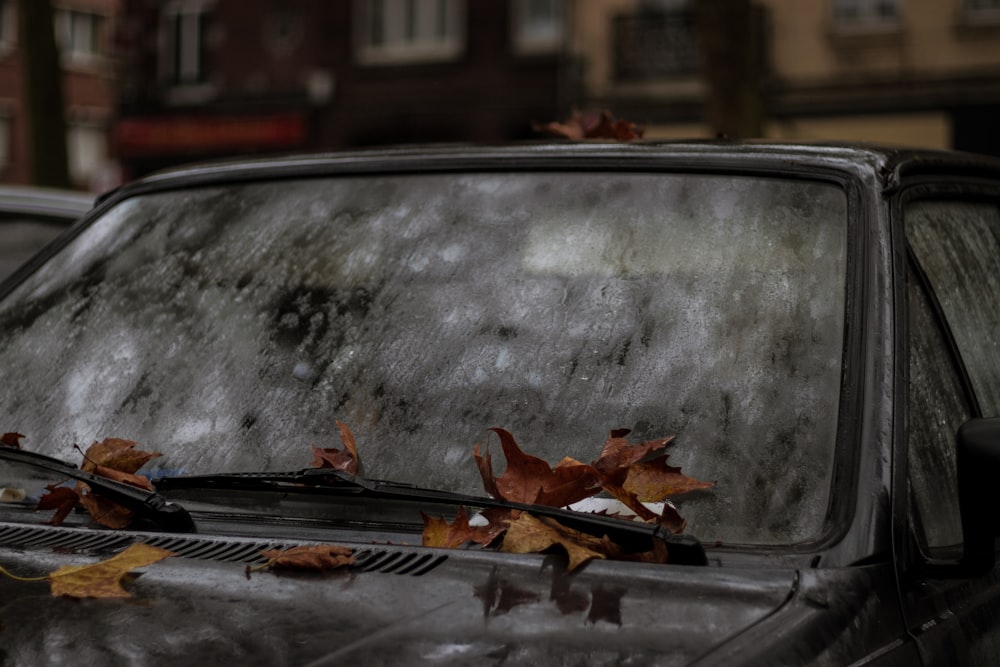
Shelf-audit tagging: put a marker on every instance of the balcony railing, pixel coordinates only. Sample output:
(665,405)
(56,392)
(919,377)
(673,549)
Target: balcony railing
(655,46)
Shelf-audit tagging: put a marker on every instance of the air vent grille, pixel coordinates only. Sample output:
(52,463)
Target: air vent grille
(385,560)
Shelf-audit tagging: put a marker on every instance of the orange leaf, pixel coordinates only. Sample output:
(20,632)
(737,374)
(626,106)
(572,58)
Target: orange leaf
(116,453)
(618,454)
(11,440)
(308,558)
(103,579)
(529,479)
(655,480)
(438,533)
(528,534)
(342,459)
(62,499)
(592,125)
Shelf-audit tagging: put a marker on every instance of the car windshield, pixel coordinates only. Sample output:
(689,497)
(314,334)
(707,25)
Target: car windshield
(230,326)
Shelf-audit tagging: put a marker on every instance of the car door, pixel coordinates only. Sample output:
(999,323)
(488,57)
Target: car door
(951,294)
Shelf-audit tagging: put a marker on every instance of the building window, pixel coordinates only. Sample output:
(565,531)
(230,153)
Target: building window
(185,32)
(8,24)
(866,11)
(80,35)
(538,25)
(401,31)
(86,148)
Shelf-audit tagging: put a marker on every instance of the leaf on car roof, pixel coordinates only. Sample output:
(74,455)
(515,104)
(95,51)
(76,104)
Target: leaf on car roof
(345,459)
(592,125)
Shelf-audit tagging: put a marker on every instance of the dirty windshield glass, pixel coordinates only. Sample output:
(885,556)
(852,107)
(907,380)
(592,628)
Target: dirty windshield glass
(228,327)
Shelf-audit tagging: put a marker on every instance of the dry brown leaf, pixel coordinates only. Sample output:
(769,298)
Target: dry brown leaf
(314,558)
(115,453)
(103,579)
(592,125)
(341,459)
(11,440)
(528,534)
(62,499)
(529,479)
(439,533)
(655,480)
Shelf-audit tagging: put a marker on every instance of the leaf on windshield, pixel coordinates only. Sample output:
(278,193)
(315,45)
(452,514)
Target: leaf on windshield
(439,533)
(529,479)
(11,440)
(104,579)
(62,499)
(308,558)
(592,125)
(116,454)
(529,534)
(345,459)
(114,458)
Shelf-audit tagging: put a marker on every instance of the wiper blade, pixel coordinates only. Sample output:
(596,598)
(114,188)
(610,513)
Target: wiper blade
(683,549)
(148,505)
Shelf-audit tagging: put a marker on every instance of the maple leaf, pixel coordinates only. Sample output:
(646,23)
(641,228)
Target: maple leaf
(103,579)
(11,440)
(306,558)
(592,125)
(114,458)
(439,533)
(655,480)
(342,459)
(117,454)
(528,534)
(618,454)
(529,479)
(62,499)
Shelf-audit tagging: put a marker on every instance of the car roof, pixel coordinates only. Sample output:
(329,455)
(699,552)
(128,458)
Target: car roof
(48,202)
(888,163)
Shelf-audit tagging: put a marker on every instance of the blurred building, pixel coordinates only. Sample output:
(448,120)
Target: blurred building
(922,72)
(208,78)
(83,32)
(204,78)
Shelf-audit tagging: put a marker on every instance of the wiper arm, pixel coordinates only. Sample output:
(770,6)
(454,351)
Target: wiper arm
(683,549)
(149,505)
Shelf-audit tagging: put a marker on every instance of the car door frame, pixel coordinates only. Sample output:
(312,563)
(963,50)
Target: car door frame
(951,617)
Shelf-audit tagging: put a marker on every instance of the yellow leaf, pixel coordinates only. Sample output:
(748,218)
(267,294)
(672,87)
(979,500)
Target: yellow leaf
(103,579)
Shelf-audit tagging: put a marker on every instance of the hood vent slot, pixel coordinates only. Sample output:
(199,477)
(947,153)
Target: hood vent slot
(220,549)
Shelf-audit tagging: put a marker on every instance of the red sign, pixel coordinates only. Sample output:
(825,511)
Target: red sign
(171,135)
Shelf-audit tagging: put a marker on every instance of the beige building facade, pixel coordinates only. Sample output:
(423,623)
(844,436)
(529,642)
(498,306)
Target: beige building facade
(915,72)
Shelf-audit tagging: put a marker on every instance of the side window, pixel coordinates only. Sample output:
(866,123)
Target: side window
(958,246)
(936,407)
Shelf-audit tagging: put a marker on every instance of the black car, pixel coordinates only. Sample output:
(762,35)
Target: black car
(318,347)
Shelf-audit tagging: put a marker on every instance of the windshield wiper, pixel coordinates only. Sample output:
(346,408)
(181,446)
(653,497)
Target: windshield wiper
(148,505)
(633,536)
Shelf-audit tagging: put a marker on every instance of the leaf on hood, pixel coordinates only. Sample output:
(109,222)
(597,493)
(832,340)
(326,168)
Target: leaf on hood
(439,533)
(11,440)
(307,558)
(345,459)
(104,579)
(529,479)
(528,534)
(117,454)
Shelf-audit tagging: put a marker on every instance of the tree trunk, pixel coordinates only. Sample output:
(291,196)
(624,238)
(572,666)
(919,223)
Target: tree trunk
(43,95)
(732,50)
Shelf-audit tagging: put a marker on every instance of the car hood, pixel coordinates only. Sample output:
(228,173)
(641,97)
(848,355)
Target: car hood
(399,606)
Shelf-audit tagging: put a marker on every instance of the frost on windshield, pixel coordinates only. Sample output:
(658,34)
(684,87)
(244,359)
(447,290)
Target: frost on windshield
(230,327)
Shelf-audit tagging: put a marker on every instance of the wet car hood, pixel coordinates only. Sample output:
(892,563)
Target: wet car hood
(401,606)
